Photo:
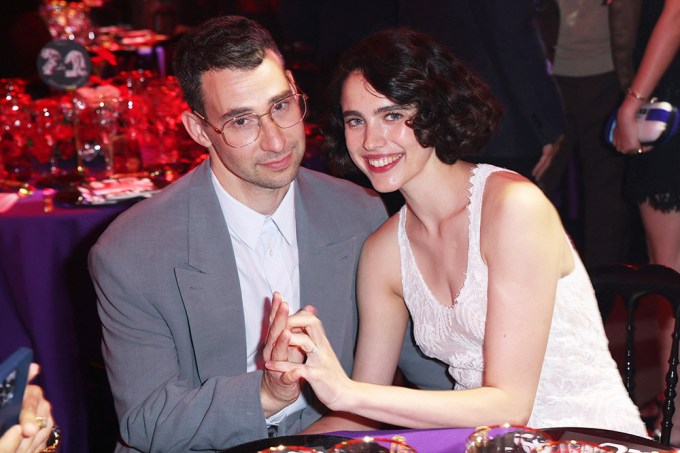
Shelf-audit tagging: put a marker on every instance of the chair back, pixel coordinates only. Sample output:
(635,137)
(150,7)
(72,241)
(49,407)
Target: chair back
(631,283)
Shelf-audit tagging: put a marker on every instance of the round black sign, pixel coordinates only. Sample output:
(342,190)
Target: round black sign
(64,64)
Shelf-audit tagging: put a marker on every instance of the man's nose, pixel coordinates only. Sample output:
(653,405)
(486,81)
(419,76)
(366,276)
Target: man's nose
(273,138)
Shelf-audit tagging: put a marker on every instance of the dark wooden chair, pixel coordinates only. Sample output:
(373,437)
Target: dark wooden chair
(631,283)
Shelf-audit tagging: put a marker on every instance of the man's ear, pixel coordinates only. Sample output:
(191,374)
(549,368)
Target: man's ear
(193,126)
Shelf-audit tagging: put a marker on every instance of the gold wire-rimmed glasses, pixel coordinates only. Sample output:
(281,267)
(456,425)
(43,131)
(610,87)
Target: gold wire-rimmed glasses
(242,130)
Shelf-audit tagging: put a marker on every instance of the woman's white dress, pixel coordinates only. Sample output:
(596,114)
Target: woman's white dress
(579,384)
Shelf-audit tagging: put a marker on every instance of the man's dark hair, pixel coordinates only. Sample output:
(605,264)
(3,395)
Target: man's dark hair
(455,111)
(228,42)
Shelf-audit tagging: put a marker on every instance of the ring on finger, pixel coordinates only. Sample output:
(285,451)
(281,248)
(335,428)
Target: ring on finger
(41,422)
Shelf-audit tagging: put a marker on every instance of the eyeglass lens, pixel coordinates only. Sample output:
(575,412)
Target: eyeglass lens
(244,130)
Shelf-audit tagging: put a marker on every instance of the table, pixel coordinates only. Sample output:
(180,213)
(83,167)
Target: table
(452,440)
(47,302)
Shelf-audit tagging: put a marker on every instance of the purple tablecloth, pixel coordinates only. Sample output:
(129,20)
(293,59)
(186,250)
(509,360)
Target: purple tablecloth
(452,440)
(47,301)
(446,440)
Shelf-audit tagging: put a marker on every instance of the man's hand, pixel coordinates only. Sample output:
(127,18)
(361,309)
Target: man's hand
(277,391)
(549,151)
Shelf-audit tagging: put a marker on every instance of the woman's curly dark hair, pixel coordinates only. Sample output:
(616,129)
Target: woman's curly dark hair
(455,111)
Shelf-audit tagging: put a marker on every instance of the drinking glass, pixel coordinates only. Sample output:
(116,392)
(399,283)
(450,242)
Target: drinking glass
(505,439)
(572,446)
(48,117)
(17,131)
(97,130)
(372,445)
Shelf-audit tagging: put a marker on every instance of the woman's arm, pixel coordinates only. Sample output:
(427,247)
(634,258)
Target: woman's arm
(661,49)
(382,323)
(523,244)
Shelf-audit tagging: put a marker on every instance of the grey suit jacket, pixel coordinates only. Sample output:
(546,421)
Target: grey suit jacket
(172,316)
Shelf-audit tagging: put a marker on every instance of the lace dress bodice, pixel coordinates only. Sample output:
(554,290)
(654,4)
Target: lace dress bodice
(579,384)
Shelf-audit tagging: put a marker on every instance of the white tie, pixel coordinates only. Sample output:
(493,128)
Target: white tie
(278,277)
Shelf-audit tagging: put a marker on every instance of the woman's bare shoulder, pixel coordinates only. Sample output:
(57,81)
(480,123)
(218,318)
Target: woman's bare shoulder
(513,194)
(381,250)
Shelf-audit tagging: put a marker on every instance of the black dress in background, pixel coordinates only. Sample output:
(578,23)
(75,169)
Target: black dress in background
(655,176)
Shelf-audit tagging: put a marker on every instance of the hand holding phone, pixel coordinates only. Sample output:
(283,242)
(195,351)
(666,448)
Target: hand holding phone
(13,381)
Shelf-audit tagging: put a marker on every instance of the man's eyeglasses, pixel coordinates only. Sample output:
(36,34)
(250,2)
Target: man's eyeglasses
(244,129)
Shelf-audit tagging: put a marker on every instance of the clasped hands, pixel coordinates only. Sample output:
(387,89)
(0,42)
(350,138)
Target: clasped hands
(297,348)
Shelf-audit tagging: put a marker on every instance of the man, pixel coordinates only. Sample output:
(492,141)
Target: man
(185,279)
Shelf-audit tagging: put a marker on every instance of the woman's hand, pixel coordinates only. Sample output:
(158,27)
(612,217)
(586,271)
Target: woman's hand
(626,138)
(35,421)
(321,369)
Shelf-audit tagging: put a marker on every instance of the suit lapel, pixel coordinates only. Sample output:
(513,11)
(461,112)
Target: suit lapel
(210,286)
(326,278)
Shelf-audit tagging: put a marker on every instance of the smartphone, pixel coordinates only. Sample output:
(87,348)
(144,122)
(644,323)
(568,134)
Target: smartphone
(13,381)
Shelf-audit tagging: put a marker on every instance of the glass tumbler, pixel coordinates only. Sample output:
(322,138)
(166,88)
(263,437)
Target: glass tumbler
(371,445)
(572,446)
(505,439)
(97,129)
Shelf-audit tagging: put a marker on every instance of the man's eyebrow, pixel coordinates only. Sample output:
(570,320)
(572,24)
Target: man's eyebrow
(229,114)
(347,113)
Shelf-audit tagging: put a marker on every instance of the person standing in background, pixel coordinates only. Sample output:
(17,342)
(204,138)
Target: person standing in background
(499,41)
(593,66)
(653,179)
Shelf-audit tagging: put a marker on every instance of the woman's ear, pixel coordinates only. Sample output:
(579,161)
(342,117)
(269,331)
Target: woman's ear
(193,126)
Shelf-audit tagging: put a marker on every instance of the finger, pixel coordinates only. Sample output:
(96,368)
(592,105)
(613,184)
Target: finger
(285,367)
(280,347)
(280,318)
(292,377)
(33,371)
(311,309)
(540,167)
(311,324)
(39,441)
(276,326)
(11,439)
(276,302)
(29,410)
(304,342)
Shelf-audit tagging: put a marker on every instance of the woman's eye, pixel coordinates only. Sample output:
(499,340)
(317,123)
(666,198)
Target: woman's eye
(394,116)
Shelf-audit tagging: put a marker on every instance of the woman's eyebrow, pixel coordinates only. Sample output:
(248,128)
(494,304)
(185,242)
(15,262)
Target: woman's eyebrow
(390,108)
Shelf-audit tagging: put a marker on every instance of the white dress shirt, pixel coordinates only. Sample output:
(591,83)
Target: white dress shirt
(245,227)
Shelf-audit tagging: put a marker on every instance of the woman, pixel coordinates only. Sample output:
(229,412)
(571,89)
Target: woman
(653,182)
(478,256)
